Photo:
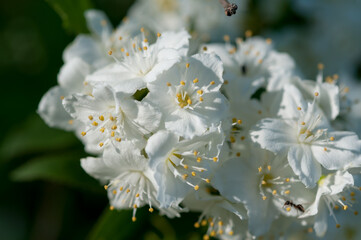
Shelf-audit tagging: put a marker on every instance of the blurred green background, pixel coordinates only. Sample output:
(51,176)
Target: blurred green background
(44,192)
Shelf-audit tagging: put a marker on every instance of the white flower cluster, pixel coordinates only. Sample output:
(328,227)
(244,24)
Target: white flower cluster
(230,132)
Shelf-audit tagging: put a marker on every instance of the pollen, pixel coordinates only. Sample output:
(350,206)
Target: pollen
(102,129)
(142,29)
(199,159)
(193,174)
(299,108)
(134,219)
(248,33)
(114,127)
(151,210)
(195,153)
(238,154)
(197,225)
(135,206)
(196,187)
(338,225)
(205,48)
(122,49)
(105,187)
(231,233)
(195,80)
(112,134)
(264,198)
(62,97)
(212,83)
(207,180)
(356,213)
(260,61)
(137,195)
(287,192)
(239,121)
(101,144)
(101,118)
(120,38)
(114,192)
(352,194)
(145,48)
(185,166)
(118,139)
(187,65)
(274,192)
(121,189)
(201,99)
(127,54)
(268,41)
(269,168)
(226,82)
(287,179)
(128,190)
(95,123)
(83,133)
(200,92)
(158,34)
(185,176)
(316,94)
(320,66)
(111,208)
(260,169)
(169,84)
(110,52)
(303,123)
(288,209)
(345,207)
(337,207)
(90,117)
(332,138)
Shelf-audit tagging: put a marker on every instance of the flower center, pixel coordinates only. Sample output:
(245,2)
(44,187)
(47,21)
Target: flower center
(183,99)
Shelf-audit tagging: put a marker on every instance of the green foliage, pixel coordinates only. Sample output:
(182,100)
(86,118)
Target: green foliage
(72,13)
(60,168)
(113,225)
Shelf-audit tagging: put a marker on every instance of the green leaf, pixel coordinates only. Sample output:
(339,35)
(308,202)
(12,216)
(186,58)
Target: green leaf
(61,168)
(34,136)
(114,225)
(72,13)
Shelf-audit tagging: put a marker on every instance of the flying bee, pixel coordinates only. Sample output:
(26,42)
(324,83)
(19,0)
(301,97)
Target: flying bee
(296,206)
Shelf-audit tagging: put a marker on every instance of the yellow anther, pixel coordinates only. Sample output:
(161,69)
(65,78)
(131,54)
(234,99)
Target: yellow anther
(189,101)
(220,231)
(288,209)
(134,219)
(114,192)
(268,41)
(90,117)
(205,237)
(215,159)
(122,49)
(118,139)
(185,166)
(248,33)
(238,154)
(196,187)
(212,83)
(110,52)
(112,134)
(345,207)
(239,121)
(352,194)
(205,48)
(169,84)
(303,123)
(121,189)
(151,210)
(316,94)
(195,80)
(264,182)
(259,112)
(201,99)
(187,65)
(199,159)
(185,176)
(101,144)
(269,167)
(142,29)
(197,225)
(62,97)
(158,34)
(336,207)
(111,118)
(207,180)
(355,212)
(193,174)
(264,198)
(325,149)
(320,66)
(226,82)
(274,192)
(260,61)
(137,195)
(332,138)
(195,153)
(234,120)
(204,222)
(145,48)
(114,127)
(95,123)
(139,48)
(287,192)
(220,223)
(231,233)
(213,233)
(128,190)
(226,38)
(310,230)
(343,198)
(120,38)
(200,92)
(102,129)
(338,225)
(299,108)
(287,180)
(145,40)
(260,169)
(243,137)
(83,133)
(105,187)
(135,206)
(127,54)
(111,208)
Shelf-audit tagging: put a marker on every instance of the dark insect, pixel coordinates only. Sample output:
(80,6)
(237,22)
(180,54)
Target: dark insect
(296,206)
(244,69)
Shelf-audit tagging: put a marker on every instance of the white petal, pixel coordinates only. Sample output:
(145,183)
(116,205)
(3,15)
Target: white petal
(320,224)
(72,75)
(274,135)
(304,165)
(98,23)
(97,168)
